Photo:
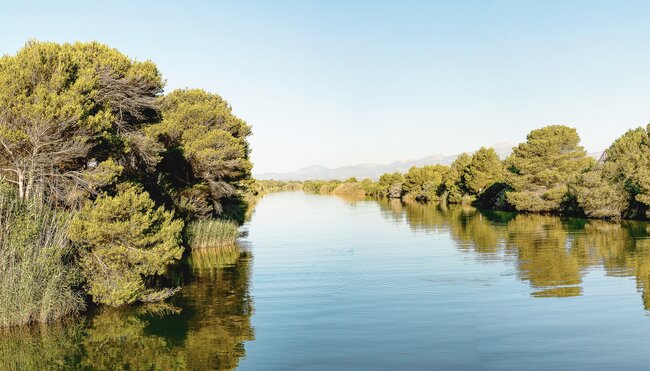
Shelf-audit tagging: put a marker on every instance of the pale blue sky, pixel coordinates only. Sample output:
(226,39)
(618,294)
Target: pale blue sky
(346,82)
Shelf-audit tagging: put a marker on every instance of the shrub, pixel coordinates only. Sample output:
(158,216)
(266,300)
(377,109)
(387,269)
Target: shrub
(599,198)
(125,238)
(349,188)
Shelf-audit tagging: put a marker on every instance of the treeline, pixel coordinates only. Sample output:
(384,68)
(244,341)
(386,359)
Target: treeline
(549,173)
(262,187)
(103,175)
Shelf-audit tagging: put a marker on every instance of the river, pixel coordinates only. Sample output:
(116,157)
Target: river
(324,282)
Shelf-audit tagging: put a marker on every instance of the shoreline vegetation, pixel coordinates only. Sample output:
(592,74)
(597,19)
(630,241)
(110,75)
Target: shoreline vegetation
(106,180)
(550,174)
(205,234)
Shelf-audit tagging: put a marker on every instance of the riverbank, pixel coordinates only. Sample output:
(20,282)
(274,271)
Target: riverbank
(548,174)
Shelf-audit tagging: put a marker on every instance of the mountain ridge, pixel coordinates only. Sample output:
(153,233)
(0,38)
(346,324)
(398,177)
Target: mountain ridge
(370,170)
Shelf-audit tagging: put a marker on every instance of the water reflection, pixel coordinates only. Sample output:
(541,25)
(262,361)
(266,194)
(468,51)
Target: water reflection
(205,327)
(551,254)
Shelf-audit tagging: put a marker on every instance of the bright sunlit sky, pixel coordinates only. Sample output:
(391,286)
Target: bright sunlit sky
(344,82)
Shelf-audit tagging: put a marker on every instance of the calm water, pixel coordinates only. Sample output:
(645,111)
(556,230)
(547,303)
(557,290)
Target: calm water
(322,282)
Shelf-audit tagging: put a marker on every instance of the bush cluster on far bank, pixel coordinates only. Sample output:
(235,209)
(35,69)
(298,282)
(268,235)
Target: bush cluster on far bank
(549,173)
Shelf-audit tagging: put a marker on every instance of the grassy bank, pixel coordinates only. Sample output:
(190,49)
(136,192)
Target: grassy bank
(36,272)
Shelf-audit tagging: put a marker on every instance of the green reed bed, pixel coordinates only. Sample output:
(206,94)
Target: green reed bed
(36,275)
(212,233)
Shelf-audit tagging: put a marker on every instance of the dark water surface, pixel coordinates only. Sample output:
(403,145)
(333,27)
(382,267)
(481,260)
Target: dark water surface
(322,282)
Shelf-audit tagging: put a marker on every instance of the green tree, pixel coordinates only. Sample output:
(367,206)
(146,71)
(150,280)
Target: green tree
(484,169)
(125,238)
(423,183)
(600,198)
(63,104)
(627,168)
(454,182)
(543,168)
(390,185)
(206,157)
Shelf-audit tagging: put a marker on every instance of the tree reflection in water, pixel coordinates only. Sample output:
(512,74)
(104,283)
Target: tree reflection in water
(552,254)
(205,327)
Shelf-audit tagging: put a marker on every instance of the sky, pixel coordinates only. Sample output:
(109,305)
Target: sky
(338,83)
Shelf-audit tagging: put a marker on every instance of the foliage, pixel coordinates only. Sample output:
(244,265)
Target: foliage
(484,169)
(599,198)
(542,169)
(212,233)
(454,181)
(550,172)
(424,183)
(261,187)
(320,186)
(390,185)
(205,160)
(125,238)
(78,121)
(63,104)
(35,269)
(349,188)
(628,169)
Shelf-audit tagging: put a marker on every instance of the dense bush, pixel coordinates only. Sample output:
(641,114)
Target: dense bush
(125,238)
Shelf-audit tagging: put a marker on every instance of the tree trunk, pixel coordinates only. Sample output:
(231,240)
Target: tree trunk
(30,183)
(21,184)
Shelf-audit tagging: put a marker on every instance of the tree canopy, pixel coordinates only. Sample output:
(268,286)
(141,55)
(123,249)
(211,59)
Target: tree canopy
(206,153)
(454,181)
(63,104)
(424,182)
(542,168)
(484,169)
(627,168)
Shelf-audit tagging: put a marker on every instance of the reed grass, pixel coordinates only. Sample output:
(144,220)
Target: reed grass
(36,275)
(212,233)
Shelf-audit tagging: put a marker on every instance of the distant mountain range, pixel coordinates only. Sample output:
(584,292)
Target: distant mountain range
(373,171)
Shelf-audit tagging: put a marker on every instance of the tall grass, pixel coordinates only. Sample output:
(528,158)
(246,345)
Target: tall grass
(212,233)
(36,278)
